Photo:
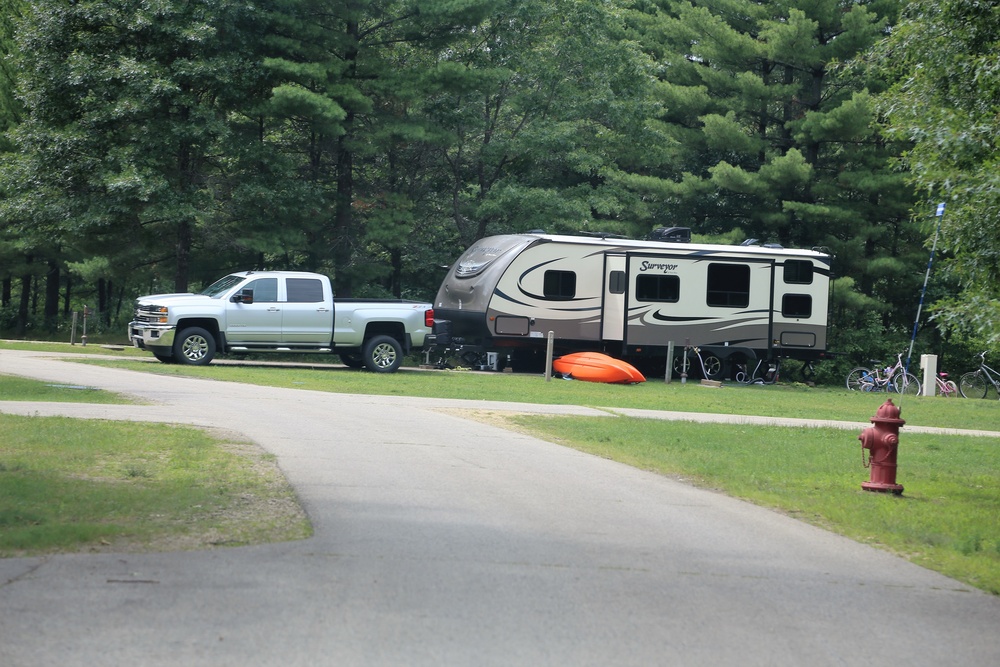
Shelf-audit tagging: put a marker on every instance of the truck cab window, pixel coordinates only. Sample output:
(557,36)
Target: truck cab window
(559,285)
(304,290)
(265,290)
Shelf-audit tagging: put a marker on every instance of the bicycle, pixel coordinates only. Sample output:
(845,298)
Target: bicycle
(974,383)
(891,378)
(946,387)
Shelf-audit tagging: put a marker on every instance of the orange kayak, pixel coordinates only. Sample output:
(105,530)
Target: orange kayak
(596,367)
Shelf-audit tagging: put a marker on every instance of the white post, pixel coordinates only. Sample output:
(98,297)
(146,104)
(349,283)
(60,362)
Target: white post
(548,356)
(928,362)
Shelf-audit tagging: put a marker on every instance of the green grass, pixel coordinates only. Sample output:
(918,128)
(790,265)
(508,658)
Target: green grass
(791,400)
(93,347)
(13,388)
(72,485)
(948,518)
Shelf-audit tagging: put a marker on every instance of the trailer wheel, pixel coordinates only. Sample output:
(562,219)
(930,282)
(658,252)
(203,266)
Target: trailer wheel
(382,354)
(713,367)
(194,347)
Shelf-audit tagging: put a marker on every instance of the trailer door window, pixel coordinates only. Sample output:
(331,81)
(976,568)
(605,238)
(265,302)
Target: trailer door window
(559,285)
(616,282)
(728,285)
(798,272)
(796,306)
(658,288)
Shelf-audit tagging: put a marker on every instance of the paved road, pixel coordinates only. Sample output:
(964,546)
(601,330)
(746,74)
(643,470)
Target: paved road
(443,541)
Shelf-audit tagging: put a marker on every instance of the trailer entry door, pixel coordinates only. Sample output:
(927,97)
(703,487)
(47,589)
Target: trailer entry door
(615,284)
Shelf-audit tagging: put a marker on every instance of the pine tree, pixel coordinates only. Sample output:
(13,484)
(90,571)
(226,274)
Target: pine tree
(127,112)
(770,135)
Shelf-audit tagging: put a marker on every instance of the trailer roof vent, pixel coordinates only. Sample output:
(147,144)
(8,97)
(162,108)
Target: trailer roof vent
(671,234)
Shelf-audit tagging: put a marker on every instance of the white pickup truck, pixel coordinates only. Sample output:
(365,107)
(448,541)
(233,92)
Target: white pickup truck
(279,311)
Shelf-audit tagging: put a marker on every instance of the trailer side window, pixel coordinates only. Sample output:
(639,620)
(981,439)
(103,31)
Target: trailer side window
(728,285)
(796,306)
(798,272)
(559,285)
(658,288)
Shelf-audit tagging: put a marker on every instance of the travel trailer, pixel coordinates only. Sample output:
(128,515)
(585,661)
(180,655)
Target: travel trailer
(631,299)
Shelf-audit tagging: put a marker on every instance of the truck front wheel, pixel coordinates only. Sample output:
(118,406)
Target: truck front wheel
(382,354)
(194,347)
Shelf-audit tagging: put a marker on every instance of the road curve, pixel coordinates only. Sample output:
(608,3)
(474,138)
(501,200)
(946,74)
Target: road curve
(444,541)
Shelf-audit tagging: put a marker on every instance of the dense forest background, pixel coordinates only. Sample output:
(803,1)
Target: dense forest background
(153,145)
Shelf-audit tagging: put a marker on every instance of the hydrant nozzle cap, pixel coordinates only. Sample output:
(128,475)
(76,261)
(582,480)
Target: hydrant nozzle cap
(887,414)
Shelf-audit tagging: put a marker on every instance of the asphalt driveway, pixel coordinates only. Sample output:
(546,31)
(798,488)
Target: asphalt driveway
(440,540)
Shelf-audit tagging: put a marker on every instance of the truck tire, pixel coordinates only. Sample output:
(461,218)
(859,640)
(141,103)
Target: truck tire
(382,354)
(194,347)
(352,360)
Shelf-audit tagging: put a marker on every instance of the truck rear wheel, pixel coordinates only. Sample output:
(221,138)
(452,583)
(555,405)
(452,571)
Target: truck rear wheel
(352,360)
(382,354)
(194,347)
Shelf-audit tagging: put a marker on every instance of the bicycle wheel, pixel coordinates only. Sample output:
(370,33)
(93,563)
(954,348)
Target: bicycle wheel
(860,379)
(950,389)
(907,383)
(973,385)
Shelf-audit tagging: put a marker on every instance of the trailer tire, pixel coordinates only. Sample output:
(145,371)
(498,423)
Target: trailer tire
(713,366)
(194,347)
(382,354)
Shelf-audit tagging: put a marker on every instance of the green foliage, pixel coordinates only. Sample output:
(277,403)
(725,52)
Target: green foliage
(767,133)
(945,102)
(158,145)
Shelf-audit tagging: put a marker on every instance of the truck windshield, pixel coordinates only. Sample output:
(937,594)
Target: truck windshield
(216,289)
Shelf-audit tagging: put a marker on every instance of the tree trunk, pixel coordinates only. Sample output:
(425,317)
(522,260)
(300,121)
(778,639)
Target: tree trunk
(22,309)
(51,306)
(344,216)
(183,266)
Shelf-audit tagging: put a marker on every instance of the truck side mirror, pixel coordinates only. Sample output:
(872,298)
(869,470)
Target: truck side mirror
(245,296)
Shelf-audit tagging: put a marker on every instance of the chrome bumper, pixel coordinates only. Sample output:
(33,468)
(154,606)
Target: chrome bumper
(146,336)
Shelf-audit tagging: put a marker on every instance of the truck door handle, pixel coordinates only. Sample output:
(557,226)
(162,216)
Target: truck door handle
(322,310)
(272,309)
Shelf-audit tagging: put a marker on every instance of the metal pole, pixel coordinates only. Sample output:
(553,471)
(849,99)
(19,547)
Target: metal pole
(684,361)
(83,338)
(920,306)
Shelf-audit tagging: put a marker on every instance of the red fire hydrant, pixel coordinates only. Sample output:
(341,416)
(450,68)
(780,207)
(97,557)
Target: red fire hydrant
(882,441)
